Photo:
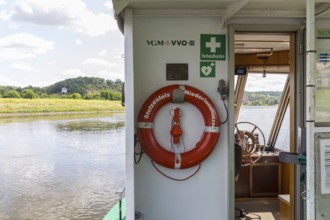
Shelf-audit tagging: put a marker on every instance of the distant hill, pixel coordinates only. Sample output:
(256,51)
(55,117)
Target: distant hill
(99,88)
(80,87)
(84,85)
(261,98)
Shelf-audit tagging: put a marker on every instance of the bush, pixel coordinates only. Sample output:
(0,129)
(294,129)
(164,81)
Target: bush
(256,103)
(91,96)
(29,94)
(54,96)
(116,96)
(110,95)
(76,96)
(44,95)
(11,94)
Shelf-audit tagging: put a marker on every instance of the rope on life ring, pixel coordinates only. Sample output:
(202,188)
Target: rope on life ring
(203,147)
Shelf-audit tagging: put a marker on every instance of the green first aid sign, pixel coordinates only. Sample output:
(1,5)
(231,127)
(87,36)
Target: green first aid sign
(213,47)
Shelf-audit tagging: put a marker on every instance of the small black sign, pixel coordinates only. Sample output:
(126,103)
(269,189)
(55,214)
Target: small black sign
(240,71)
(177,71)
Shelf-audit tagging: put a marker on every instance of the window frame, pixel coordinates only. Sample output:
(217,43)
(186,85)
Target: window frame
(280,112)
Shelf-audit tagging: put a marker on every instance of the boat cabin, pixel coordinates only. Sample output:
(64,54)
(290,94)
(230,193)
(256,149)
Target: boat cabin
(227,111)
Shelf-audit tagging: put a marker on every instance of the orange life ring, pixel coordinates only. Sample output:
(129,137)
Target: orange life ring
(203,147)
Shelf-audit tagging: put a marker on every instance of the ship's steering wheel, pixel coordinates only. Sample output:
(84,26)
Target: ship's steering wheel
(252,141)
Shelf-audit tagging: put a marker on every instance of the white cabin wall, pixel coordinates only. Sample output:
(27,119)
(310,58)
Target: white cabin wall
(205,195)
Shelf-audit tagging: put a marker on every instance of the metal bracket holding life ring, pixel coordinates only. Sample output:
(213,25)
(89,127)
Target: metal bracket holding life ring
(178,94)
(254,146)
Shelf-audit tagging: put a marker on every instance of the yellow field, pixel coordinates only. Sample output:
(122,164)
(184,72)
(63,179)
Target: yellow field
(31,106)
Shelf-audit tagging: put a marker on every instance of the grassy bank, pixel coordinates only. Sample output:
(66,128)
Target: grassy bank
(49,106)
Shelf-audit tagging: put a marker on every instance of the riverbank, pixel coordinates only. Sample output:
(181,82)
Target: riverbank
(29,107)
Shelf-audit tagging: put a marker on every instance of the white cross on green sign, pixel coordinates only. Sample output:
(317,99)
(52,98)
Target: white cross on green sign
(213,47)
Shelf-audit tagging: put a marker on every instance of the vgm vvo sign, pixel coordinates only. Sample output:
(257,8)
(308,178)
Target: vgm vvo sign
(170,43)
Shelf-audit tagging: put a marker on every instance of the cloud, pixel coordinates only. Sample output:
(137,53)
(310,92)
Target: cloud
(25,40)
(21,67)
(99,62)
(63,13)
(108,4)
(102,52)
(272,82)
(4,15)
(14,26)
(110,75)
(39,12)
(73,72)
(6,81)
(22,46)
(78,42)
(3,2)
(14,54)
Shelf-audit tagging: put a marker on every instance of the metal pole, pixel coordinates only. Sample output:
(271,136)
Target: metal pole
(310,107)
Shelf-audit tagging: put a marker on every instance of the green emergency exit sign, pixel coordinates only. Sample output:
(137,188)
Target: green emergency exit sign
(213,47)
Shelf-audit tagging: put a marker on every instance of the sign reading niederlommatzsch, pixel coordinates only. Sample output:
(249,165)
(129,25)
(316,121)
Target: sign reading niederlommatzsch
(213,47)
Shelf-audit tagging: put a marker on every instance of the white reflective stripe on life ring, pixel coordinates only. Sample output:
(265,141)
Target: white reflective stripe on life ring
(145,125)
(177,161)
(212,129)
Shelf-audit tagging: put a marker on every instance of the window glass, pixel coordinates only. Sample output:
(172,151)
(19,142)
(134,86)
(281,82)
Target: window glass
(283,139)
(260,101)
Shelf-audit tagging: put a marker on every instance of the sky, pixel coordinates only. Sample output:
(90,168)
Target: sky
(272,82)
(46,41)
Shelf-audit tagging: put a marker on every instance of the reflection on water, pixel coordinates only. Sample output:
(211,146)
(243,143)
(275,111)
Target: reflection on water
(263,117)
(90,125)
(51,169)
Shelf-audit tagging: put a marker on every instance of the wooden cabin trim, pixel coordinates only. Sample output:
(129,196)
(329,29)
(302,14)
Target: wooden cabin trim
(279,58)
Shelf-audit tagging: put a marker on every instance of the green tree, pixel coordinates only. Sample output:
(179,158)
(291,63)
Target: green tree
(115,96)
(43,95)
(76,96)
(110,95)
(105,94)
(29,94)
(11,94)
(90,96)
(256,103)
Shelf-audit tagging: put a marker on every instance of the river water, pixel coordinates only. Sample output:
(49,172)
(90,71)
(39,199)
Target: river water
(263,117)
(63,167)
(70,167)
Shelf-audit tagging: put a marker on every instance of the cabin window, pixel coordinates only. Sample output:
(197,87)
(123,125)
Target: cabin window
(259,105)
(283,140)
